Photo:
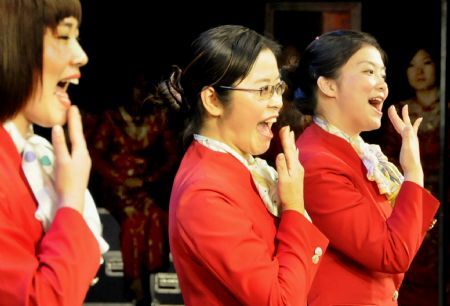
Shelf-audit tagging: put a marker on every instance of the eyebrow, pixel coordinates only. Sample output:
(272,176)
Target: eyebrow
(373,64)
(266,80)
(68,25)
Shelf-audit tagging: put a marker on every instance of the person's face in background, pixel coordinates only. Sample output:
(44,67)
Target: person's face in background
(247,121)
(62,58)
(361,91)
(421,71)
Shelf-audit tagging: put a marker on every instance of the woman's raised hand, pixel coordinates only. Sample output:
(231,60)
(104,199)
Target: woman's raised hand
(409,153)
(71,168)
(290,173)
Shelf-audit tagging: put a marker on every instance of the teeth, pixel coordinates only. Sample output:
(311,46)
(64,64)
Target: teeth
(71,81)
(378,100)
(65,86)
(273,120)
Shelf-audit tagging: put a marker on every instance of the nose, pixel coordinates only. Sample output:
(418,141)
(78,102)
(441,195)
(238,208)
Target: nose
(276,101)
(383,86)
(80,57)
(420,70)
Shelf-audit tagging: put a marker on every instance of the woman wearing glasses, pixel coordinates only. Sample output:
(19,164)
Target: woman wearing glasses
(375,217)
(234,240)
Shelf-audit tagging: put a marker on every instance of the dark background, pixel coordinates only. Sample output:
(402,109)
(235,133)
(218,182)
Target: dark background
(123,37)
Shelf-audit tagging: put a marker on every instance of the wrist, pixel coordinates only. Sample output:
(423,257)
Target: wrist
(415,176)
(73,201)
(299,207)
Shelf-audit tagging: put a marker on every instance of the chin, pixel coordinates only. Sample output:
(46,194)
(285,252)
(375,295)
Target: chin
(377,125)
(258,146)
(55,120)
(62,121)
(373,124)
(260,151)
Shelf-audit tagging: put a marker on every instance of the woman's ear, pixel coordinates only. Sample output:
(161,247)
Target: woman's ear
(327,86)
(210,102)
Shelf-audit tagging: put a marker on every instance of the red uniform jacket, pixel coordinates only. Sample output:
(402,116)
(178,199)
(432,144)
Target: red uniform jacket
(51,269)
(371,244)
(225,244)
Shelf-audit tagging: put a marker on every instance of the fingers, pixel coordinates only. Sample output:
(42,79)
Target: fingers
(290,173)
(75,129)
(395,119)
(59,143)
(281,165)
(403,124)
(405,115)
(289,149)
(417,124)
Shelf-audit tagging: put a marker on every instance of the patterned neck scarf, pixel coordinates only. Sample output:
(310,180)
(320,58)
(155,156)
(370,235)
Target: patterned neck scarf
(38,167)
(379,169)
(264,176)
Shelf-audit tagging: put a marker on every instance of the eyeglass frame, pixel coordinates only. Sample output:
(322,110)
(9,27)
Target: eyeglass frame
(273,88)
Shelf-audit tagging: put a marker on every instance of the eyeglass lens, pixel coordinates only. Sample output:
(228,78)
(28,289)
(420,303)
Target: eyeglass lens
(268,91)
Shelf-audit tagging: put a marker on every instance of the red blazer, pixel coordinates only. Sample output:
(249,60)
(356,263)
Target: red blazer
(371,244)
(227,248)
(49,269)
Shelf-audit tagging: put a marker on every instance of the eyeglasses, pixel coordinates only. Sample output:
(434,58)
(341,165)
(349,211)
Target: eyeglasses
(265,92)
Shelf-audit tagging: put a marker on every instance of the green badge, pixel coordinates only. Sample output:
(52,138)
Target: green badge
(45,161)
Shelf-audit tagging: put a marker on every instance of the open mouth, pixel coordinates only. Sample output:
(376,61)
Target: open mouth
(64,84)
(376,103)
(265,127)
(61,90)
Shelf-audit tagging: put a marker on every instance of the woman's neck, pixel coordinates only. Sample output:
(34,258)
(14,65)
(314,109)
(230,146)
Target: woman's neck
(217,135)
(22,124)
(341,127)
(428,97)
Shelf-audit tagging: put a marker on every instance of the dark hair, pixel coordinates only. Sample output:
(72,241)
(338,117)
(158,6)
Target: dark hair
(410,49)
(325,56)
(221,56)
(22,28)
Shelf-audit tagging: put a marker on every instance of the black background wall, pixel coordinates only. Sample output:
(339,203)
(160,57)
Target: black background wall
(121,37)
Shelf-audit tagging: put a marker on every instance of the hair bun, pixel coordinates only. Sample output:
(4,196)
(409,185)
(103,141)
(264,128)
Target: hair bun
(171,89)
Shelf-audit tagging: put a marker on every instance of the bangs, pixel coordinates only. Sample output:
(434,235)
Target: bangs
(56,10)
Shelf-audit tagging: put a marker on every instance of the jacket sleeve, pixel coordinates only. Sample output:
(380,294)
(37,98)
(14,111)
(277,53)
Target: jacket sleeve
(353,220)
(56,271)
(220,236)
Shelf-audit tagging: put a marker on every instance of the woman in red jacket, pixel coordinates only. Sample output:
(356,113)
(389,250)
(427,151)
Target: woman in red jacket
(374,216)
(234,240)
(49,253)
